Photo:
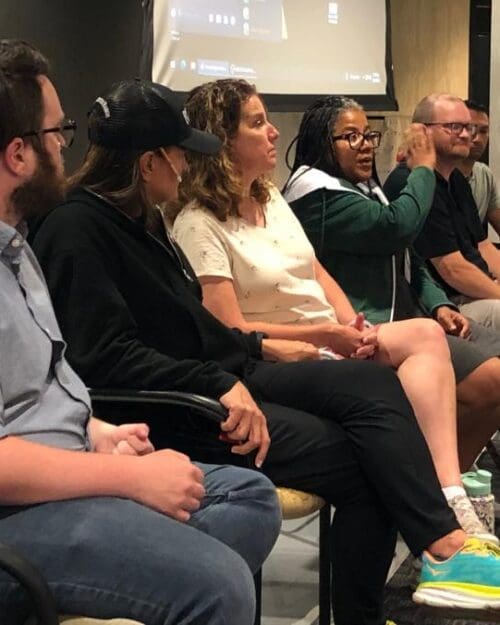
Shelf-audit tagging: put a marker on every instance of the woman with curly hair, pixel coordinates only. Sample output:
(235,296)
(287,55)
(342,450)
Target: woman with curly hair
(258,271)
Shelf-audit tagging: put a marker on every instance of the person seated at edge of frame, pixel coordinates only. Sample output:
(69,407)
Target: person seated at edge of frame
(116,528)
(452,240)
(365,242)
(130,307)
(481,178)
(258,271)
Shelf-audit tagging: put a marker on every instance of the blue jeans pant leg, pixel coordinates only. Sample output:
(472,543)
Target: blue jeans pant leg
(241,509)
(109,557)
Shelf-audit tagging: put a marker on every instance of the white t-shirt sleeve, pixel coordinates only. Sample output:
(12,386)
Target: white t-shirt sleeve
(202,241)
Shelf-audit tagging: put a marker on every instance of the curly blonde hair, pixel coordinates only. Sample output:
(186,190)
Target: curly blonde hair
(214,182)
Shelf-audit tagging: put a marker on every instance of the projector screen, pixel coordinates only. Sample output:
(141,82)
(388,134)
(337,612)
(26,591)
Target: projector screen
(292,50)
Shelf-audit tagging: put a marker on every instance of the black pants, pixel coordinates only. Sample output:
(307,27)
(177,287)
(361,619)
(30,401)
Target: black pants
(345,430)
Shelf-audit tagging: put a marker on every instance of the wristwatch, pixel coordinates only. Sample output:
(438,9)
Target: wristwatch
(259,337)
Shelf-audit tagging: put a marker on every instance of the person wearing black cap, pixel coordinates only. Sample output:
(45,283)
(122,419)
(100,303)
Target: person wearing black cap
(116,528)
(130,307)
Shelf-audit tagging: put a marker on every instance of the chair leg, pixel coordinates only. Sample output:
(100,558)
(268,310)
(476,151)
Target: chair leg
(494,455)
(257,578)
(324,565)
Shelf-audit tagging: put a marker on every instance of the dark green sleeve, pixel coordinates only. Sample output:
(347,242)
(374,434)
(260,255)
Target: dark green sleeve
(429,293)
(349,222)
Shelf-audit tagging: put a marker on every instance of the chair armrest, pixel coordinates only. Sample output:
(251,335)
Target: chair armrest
(28,576)
(209,408)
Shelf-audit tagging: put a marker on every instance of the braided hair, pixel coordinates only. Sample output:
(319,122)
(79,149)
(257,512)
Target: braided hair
(313,144)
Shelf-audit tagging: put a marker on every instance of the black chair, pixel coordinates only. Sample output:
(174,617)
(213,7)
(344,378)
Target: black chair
(44,608)
(493,453)
(43,603)
(120,406)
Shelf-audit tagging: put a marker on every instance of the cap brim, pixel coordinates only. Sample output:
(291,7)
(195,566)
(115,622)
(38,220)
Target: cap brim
(203,142)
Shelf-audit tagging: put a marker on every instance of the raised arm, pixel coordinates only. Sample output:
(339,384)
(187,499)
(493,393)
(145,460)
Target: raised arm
(348,221)
(344,219)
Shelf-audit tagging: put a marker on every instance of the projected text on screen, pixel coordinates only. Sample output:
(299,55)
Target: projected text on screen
(284,46)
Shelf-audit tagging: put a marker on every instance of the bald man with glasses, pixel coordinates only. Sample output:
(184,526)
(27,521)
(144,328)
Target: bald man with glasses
(452,241)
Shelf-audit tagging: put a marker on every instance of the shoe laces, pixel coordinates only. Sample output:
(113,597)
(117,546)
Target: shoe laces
(480,547)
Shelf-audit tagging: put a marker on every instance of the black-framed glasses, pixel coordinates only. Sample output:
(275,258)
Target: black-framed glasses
(66,131)
(356,139)
(456,128)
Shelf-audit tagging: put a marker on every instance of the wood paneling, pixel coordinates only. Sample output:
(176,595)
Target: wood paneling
(430,49)
(495,90)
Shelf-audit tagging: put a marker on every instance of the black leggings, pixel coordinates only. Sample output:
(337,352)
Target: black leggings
(345,430)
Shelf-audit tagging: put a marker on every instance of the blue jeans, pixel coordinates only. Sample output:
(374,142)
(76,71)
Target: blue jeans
(108,557)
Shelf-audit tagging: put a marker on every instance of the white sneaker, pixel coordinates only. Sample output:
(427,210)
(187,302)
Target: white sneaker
(468,519)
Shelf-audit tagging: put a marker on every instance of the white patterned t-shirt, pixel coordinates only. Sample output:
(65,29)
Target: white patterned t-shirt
(272,267)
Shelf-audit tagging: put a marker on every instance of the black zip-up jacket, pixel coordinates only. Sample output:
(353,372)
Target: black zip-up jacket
(130,306)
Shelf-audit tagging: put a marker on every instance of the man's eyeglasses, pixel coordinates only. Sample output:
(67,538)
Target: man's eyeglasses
(456,128)
(356,139)
(66,132)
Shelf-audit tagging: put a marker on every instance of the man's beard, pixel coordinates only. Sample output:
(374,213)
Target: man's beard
(475,154)
(42,192)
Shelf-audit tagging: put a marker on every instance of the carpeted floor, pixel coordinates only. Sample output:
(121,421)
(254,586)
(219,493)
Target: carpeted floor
(399,605)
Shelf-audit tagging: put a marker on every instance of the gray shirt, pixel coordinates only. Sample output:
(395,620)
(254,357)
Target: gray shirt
(484,189)
(41,397)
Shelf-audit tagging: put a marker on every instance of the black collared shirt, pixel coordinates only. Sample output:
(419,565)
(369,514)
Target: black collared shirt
(453,225)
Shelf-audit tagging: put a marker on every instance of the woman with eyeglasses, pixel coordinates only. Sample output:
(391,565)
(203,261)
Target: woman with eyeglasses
(332,191)
(365,242)
(259,272)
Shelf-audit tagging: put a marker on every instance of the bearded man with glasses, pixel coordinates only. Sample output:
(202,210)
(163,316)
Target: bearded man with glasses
(452,241)
(115,527)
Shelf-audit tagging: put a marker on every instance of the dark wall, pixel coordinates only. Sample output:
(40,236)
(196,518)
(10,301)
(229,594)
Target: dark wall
(480,51)
(90,43)
(480,55)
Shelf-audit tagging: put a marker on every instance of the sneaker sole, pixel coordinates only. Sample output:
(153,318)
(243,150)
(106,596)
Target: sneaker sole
(446,597)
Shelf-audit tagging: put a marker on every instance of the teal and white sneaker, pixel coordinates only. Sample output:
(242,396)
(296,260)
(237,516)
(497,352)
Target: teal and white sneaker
(469,579)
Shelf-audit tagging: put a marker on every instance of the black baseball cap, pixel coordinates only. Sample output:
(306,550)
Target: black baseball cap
(143,115)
